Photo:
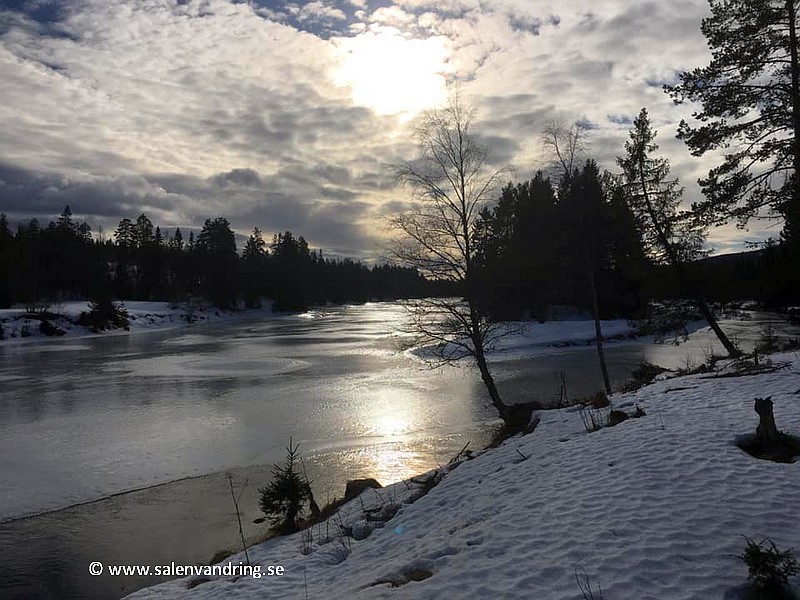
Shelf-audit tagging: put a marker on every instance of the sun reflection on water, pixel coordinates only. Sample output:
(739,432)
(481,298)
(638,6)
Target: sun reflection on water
(390,425)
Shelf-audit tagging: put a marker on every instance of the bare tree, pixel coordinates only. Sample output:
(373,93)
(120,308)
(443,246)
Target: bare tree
(452,182)
(567,146)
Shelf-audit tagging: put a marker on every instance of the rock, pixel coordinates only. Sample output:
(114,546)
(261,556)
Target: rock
(356,486)
(616,417)
(361,530)
(383,513)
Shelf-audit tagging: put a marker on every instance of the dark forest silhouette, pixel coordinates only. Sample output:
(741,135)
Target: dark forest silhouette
(40,265)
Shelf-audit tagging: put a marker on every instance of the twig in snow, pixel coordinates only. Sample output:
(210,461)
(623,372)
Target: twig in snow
(586,585)
(238,514)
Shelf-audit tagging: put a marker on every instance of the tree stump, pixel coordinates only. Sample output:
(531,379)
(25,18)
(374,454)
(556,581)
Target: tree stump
(766,432)
(768,443)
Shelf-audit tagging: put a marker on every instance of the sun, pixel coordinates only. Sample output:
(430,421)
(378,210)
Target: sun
(393,74)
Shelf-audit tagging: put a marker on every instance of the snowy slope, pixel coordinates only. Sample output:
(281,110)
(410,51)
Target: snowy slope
(142,316)
(654,508)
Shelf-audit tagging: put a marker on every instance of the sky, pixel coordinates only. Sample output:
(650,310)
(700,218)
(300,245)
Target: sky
(286,115)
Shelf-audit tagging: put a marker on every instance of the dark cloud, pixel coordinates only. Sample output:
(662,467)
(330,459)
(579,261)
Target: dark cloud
(237,177)
(525,24)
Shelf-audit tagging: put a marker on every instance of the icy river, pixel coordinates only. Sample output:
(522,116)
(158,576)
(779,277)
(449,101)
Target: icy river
(121,446)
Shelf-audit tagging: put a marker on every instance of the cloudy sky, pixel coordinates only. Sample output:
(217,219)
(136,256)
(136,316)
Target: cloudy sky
(284,115)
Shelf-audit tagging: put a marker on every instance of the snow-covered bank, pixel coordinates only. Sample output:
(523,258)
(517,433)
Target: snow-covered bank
(517,340)
(530,337)
(655,507)
(17,326)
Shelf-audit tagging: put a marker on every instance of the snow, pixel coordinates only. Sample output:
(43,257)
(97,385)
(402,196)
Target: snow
(530,338)
(655,507)
(17,327)
(525,339)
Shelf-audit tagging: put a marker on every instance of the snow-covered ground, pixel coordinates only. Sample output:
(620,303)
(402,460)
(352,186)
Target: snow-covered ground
(524,339)
(654,508)
(531,337)
(18,327)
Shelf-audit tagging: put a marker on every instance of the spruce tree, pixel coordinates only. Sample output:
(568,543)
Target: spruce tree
(669,235)
(284,498)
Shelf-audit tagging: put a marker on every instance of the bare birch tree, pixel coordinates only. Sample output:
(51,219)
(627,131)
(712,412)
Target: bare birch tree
(567,145)
(451,181)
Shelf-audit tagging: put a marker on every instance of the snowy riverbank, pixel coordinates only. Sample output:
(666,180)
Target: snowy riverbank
(655,507)
(18,326)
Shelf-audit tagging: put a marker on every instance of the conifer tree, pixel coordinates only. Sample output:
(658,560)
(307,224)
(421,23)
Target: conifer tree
(669,235)
(283,499)
(750,99)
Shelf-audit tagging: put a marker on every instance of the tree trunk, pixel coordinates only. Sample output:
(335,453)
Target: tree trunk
(791,209)
(676,262)
(488,380)
(598,334)
(730,347)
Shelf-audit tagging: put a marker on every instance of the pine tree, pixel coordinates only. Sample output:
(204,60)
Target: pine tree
(255,248)
(177,240)
(143,231)
(669,235)
(215,249)
(750,97)
(125,234)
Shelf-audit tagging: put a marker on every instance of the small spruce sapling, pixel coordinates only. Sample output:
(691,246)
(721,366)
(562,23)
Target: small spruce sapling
(284,498)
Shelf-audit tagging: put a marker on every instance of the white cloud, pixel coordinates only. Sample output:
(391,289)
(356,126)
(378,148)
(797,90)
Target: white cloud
(173,95)
(319,11)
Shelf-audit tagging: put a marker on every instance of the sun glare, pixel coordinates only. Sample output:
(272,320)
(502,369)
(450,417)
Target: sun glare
(392,74)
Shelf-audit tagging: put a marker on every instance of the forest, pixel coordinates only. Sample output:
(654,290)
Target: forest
(40,266)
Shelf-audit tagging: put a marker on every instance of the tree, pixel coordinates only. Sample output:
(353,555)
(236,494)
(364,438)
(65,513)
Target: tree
(215,249)
(9,259)
(255,248)
(584,205)
(291,262)
(565,145)
(283,499)
(176,243)
(750,97)
(125,234)
(143,231)
(252,269)
(582,195)
(669,235)
(451,182)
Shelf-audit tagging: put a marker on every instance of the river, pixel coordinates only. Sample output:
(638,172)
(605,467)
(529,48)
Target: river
(172,413)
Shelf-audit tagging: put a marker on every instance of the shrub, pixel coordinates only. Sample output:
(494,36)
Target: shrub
(768,341)
(284,498)
(104,314)
(768,568)
(642,375)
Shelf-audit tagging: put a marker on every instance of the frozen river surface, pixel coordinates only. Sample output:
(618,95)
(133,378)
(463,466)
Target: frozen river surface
(83,419)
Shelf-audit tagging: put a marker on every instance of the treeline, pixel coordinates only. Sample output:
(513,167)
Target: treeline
(63,261)
(547,244)
(575,241)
